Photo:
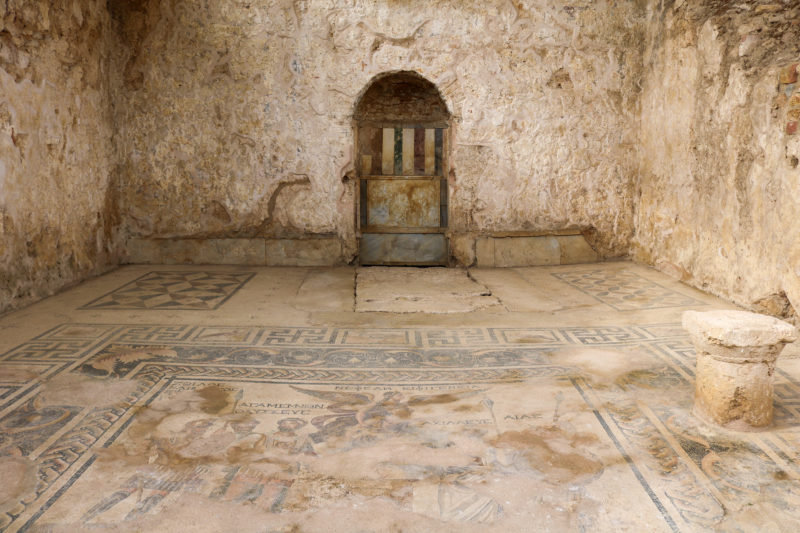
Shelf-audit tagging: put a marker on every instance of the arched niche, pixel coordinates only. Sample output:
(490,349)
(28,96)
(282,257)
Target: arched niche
(401,96)
(402,124)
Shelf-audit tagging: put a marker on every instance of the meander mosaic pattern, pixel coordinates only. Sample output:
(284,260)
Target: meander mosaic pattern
(688,472)
(624,290)
(177,290)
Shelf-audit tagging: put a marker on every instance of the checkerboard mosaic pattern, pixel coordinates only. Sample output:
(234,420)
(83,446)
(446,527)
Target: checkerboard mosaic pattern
(178,290)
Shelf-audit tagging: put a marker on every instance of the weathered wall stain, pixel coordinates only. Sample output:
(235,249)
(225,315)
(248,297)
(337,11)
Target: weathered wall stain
(718,186)
(170,119)
(58,210)
(173,119)
(231,100)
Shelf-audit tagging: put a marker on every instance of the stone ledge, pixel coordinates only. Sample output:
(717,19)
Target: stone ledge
(543,250)
(255,251)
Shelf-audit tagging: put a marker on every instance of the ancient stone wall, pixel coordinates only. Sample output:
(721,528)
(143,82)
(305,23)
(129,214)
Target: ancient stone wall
(719,192)
(57,210)
(235,119)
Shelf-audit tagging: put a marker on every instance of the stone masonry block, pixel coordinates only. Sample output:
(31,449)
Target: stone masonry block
(484,252)
(789,74)
(526,251)
(575,249)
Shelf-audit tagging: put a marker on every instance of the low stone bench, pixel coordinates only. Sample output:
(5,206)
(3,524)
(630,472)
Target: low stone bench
(736,353)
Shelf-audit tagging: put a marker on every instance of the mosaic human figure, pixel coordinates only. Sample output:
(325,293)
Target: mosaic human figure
(287,440)
(369,414)
(247,484)
(197,438)
(152,486)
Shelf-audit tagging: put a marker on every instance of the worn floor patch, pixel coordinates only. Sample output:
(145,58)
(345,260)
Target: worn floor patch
(420,290)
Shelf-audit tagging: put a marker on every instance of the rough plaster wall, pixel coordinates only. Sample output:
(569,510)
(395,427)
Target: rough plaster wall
(720,184)
(56,205)
(235,118)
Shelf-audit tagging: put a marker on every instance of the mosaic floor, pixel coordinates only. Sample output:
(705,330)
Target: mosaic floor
(493,420)
(174,290)
(624,290)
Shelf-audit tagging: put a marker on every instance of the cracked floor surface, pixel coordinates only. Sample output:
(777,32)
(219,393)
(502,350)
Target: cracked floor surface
(159,398)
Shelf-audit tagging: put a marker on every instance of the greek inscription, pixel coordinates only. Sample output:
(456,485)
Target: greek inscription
(475,422)
(528,416)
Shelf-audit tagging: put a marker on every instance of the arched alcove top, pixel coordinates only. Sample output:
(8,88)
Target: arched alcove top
(403,96)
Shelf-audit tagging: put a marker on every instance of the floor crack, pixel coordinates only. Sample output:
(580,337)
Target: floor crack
(355,290)
(488,290)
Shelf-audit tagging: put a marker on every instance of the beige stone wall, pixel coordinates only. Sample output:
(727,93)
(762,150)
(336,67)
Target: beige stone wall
(235,118)
(719,195)
(231,122)
(57,214)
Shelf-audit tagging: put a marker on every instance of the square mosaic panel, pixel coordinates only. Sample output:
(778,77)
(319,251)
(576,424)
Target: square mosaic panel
(624,290)
(179,290)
